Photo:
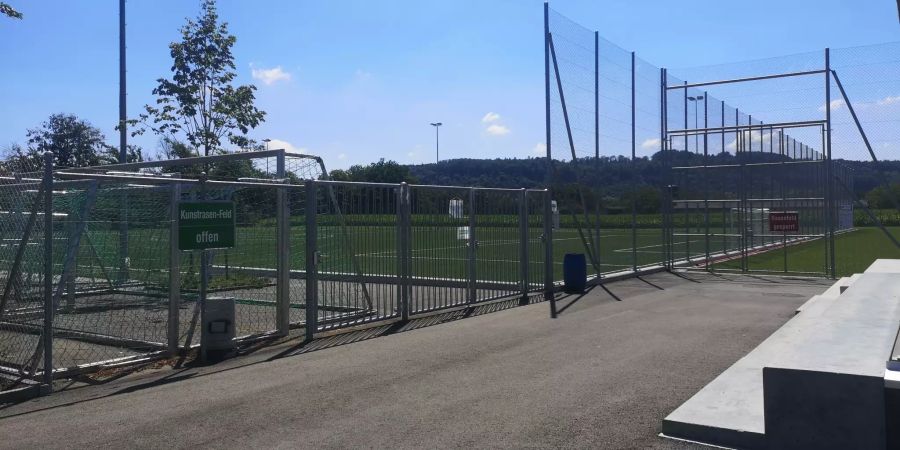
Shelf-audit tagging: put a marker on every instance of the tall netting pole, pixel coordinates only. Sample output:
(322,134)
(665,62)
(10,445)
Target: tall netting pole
(829,185)
(548,223)
(634,176)
(47,342)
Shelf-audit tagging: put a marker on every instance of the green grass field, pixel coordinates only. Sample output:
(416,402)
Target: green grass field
(441,250)
(854,252)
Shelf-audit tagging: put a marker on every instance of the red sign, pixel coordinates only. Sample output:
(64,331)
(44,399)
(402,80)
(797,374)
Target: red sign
(784,221)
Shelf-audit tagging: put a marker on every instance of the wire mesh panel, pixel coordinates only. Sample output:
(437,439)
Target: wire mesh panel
(245,272)
(356,244)
(441,237)
(113,253)
(498,251)
(22,271)
(536,239)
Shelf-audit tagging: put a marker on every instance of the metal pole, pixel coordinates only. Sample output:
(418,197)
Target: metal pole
(829,161)
(123,149)
(633,174)
(548,253)
(523,245)
(204,283)
(663,139)
(283,249)
(665,149)
(403,248)
(437,144)
(687,211)
(724,228)
(783,181)
(547,92)
(312,256)
(706,174)
(123,116)
(548,215)
(47,336)
(742,204)
(174,272)
(597,147)
(473,243)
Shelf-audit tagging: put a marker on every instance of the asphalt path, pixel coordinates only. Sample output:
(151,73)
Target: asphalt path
(602,375)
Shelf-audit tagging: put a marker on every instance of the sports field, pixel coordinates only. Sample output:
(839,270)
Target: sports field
(436,251)
(855,251)
(442,250)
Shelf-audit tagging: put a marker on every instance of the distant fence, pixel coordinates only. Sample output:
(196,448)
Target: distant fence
(723,150)
(93,276)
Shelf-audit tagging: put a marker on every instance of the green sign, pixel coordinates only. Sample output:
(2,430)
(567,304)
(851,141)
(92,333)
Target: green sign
(203,225)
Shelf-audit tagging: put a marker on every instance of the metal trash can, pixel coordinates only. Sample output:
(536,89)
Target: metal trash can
(574,273)
(217,337)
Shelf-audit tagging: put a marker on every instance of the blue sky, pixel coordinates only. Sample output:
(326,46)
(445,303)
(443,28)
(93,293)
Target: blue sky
(357,80)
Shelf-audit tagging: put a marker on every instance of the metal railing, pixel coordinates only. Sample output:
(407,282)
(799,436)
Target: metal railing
(94,276)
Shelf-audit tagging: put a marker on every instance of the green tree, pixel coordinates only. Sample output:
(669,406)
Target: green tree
(883,197)
(199,102)
(9,11)
(378,172)
(73,141)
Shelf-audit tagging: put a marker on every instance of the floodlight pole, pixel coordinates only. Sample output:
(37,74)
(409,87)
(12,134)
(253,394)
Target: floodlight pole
(123,133)
(437,141)
(695,101)
(123,149)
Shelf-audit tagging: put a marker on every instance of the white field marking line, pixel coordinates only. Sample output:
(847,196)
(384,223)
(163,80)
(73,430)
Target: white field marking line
(462,245)
(447,259)
(628,249)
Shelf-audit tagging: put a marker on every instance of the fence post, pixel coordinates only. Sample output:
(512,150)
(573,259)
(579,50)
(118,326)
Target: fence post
(174,272)
(548,252)
(312,256)
(523,244)
(404,264)
(473,243)
(634,175)
(283,260)
(48,271)
(828,165)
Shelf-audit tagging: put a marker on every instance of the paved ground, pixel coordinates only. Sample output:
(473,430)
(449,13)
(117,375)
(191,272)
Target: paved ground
(603,375)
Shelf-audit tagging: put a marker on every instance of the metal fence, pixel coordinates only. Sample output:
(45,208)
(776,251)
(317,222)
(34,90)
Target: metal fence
(753,166)
(93,276)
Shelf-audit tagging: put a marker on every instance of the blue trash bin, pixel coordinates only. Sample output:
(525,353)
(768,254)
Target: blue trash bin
(574,273)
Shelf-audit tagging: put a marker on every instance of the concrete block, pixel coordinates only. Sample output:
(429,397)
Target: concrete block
(823,410)
(827,389)
(729,411)
(884,266)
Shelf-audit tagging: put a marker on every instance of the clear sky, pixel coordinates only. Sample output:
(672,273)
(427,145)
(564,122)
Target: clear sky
(356,80)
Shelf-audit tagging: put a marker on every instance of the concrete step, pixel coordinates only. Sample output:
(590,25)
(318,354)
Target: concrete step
(832,292)
(826,390)
(729,411)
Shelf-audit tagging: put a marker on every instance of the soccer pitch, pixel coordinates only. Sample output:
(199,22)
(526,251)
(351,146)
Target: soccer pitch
(436,251)
(443,251)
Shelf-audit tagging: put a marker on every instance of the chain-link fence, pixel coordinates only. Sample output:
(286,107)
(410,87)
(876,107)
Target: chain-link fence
(774,165)
(100,246)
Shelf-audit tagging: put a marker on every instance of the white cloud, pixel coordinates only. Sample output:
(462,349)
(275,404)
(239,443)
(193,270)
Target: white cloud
(836,104)
(278,144)
(650,144)
(270,76)
(540,149)
(490,117)
(411,154)
(497,130)
(342,156)
(889,100)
